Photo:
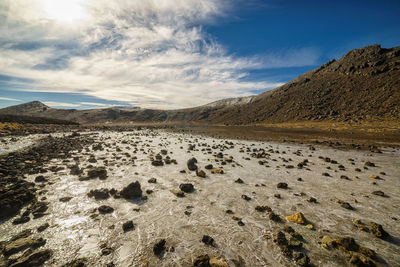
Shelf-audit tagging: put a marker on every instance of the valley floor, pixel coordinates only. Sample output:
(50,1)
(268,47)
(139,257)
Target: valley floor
(348,199)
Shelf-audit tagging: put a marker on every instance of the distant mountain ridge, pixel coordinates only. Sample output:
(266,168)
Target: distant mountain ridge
(363,85)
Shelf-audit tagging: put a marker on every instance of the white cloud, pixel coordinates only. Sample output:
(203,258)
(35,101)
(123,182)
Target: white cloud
(150,53)
(9,99)
(95,104)
(61,104)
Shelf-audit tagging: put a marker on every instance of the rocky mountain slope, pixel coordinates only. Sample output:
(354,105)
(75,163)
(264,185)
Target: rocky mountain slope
(364,85)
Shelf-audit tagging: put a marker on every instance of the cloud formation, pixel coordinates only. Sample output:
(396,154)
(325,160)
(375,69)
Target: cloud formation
(150,53)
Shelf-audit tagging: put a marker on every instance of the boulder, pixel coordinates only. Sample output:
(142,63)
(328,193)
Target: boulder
(131,191)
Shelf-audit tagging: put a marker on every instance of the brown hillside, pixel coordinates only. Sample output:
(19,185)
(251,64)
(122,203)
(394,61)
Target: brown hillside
(364,85)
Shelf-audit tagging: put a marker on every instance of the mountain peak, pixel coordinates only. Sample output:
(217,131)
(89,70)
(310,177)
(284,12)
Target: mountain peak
(26,108)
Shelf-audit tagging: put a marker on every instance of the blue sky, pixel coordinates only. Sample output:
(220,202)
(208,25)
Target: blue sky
(177,53)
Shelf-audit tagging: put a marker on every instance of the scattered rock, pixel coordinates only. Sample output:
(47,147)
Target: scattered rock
(99,194)
(65,199)
(202,261)
(282,185)
(187,188)
(378,193)
(218,262)
(40,179)
(21,220)
(132,191)
(217,171)
(43,227)
(201,173)
(104,209)
(296,218)
(239,181)
(152,180)
(20,244)
(263,208)
(97,172)
(159,247)
(208,240)
(377,230)
(208,167)
(191,164)
(128,226)
(33,260)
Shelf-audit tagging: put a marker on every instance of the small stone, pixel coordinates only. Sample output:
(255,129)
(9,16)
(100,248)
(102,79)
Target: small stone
(378,230)
(346,205)
(245,197)
(208,240)
(201,173)
(282,185)
(187,188)
(378,193)
(312,200)
(40,179)
(263,208)
(239,181)
(21,220)
(65,199)
(202,261)
(128,226)
(217,171)
(159,247)
(296,218)
(209,167)
(178,193)
(152,180)
(218,262)
(104,209)
(328,242)
(43,227)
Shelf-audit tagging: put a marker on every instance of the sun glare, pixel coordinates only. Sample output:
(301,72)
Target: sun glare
(66,11)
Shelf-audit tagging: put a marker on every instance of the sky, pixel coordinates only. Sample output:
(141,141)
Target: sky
(169,54)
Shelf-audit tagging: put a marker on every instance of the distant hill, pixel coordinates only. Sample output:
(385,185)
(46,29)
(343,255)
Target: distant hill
(33,120)
(364,85)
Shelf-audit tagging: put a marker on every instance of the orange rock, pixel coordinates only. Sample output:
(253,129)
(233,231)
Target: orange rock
(219,171)
(218,262)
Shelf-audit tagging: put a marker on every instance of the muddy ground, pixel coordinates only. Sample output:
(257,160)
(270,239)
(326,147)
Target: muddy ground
(149,197)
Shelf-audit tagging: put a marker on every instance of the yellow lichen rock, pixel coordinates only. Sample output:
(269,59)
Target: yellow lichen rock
(296,218)
(218,262)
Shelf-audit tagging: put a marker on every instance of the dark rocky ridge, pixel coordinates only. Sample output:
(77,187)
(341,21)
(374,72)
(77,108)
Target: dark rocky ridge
(364,85)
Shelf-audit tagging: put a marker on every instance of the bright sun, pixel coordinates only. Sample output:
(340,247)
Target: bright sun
(65,11)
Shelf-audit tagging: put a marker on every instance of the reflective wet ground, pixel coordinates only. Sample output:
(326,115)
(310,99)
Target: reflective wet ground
(78,230)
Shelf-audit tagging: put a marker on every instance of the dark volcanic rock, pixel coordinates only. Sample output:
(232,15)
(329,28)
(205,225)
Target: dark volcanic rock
(104,209)
(209,167)
(99,194)
(208,240)
(128,226)
(239,181)
(187,188)
(159,247)
(282,185)
(191,164)
(133,190)
(97,172)
(152,180)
